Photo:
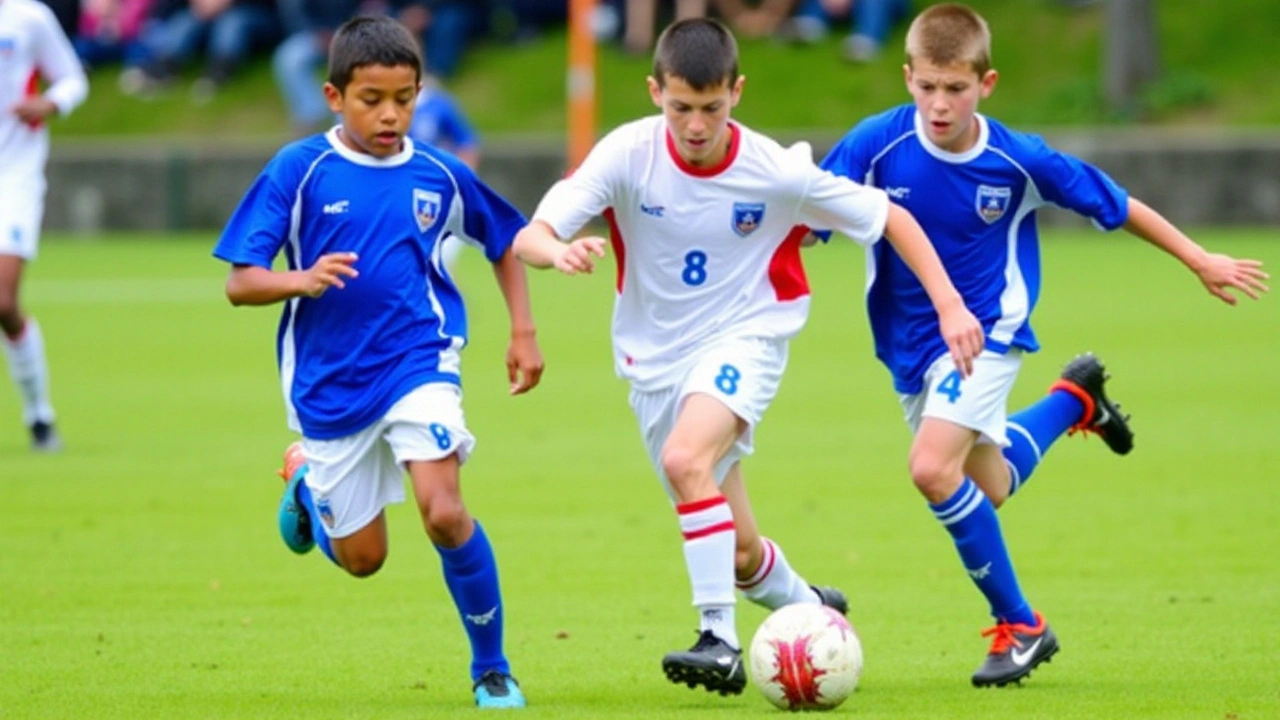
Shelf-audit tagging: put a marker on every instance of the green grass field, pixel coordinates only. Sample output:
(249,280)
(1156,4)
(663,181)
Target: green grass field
(142,576)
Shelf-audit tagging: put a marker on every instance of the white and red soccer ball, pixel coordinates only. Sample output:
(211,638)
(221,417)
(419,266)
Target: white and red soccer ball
(806,657)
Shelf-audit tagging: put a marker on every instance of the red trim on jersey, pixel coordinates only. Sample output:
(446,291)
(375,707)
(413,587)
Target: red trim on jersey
(33,89)
(697,505)
(735,139)
(619,247)
(786,270)
(726,526)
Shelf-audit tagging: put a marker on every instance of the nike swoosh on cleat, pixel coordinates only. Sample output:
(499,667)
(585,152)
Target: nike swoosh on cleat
(725,661)
(1021,659)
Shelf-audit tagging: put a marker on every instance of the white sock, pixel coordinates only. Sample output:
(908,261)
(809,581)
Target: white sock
(708,554)
(30,372)
(774,583)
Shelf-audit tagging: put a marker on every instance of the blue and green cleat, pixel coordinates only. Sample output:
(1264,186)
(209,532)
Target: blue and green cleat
(498,690)
(294,522)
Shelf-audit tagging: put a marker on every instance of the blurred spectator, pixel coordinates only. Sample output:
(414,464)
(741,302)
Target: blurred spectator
(640,17)
(68,14)
(759,20)
(872,21)
(228,31)
(310,25)
(111,31)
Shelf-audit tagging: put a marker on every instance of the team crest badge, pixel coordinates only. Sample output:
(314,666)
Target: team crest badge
(325,511)
(426,208)
(747,217)
(992,202)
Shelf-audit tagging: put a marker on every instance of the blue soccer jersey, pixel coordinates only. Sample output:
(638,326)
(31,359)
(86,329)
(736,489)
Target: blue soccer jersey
(349,355)
(978,208)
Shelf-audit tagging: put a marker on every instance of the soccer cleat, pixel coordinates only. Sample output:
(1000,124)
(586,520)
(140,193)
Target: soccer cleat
(1016,650)
(44,437)
(1084,377)
(711,663)
(293,520)
(832,598)
(496,689)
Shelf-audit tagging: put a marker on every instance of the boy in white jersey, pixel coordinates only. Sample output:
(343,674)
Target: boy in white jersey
(974,185)
(33,49)
(707,218)
(373,326)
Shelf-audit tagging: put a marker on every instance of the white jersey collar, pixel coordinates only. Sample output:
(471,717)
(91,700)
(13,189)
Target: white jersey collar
(365,159)
(984,133)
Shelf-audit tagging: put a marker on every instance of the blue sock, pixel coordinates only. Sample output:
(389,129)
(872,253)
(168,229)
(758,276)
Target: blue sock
(471,573)
(971,519)
(1032,430)
(317,525)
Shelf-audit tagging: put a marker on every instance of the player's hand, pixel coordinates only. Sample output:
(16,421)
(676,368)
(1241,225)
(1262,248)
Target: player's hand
(577,255)
(328,272)
(524,362)
(964,336)
(35,109)
(1219,272)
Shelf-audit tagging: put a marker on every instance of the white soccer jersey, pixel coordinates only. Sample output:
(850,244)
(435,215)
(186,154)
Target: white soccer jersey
(32,48)
(705,253)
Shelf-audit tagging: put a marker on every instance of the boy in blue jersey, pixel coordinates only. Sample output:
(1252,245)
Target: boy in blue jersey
(974,185)
(372,328)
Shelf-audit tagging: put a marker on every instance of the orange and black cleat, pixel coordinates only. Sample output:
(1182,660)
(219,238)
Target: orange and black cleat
(1084,377)
(1016,650)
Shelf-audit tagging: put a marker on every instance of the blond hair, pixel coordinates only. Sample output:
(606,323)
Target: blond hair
(950,34)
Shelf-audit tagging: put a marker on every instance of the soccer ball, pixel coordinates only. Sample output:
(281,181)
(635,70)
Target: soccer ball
(806,657)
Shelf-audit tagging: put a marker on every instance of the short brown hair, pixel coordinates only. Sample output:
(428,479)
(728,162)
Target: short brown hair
(950,34)
(371,40)
(700,51)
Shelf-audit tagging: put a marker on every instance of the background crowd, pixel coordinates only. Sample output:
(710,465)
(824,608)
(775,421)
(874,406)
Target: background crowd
(156,42)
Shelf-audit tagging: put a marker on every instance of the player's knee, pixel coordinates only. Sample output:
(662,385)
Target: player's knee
(931,474)
(445,519)
(364,562)
(682,466)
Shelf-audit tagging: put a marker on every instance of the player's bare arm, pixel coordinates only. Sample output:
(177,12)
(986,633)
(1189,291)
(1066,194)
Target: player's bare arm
(1216,271)
(537,245)
(524,359)
(960,329)
(252,285)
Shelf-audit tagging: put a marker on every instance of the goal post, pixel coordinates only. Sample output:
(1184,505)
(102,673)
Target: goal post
(581,82)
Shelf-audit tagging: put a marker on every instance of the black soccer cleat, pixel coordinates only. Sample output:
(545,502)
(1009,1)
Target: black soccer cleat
(711,663)
(832,598)
(1016,650)
(44,437)
(1084,377)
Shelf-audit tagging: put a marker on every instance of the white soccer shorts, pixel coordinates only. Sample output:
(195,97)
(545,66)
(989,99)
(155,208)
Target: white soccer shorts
(743,374)
(353,478)
(979,402)
(21,211)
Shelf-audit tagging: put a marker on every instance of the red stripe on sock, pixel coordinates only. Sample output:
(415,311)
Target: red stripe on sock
(770,556)
(726,526)
(697,505)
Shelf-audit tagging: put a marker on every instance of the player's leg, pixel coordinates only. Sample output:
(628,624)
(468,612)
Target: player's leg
(1077,402)
(949,418)
(764,576)
(428,434)
(722,398)
(21,211)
